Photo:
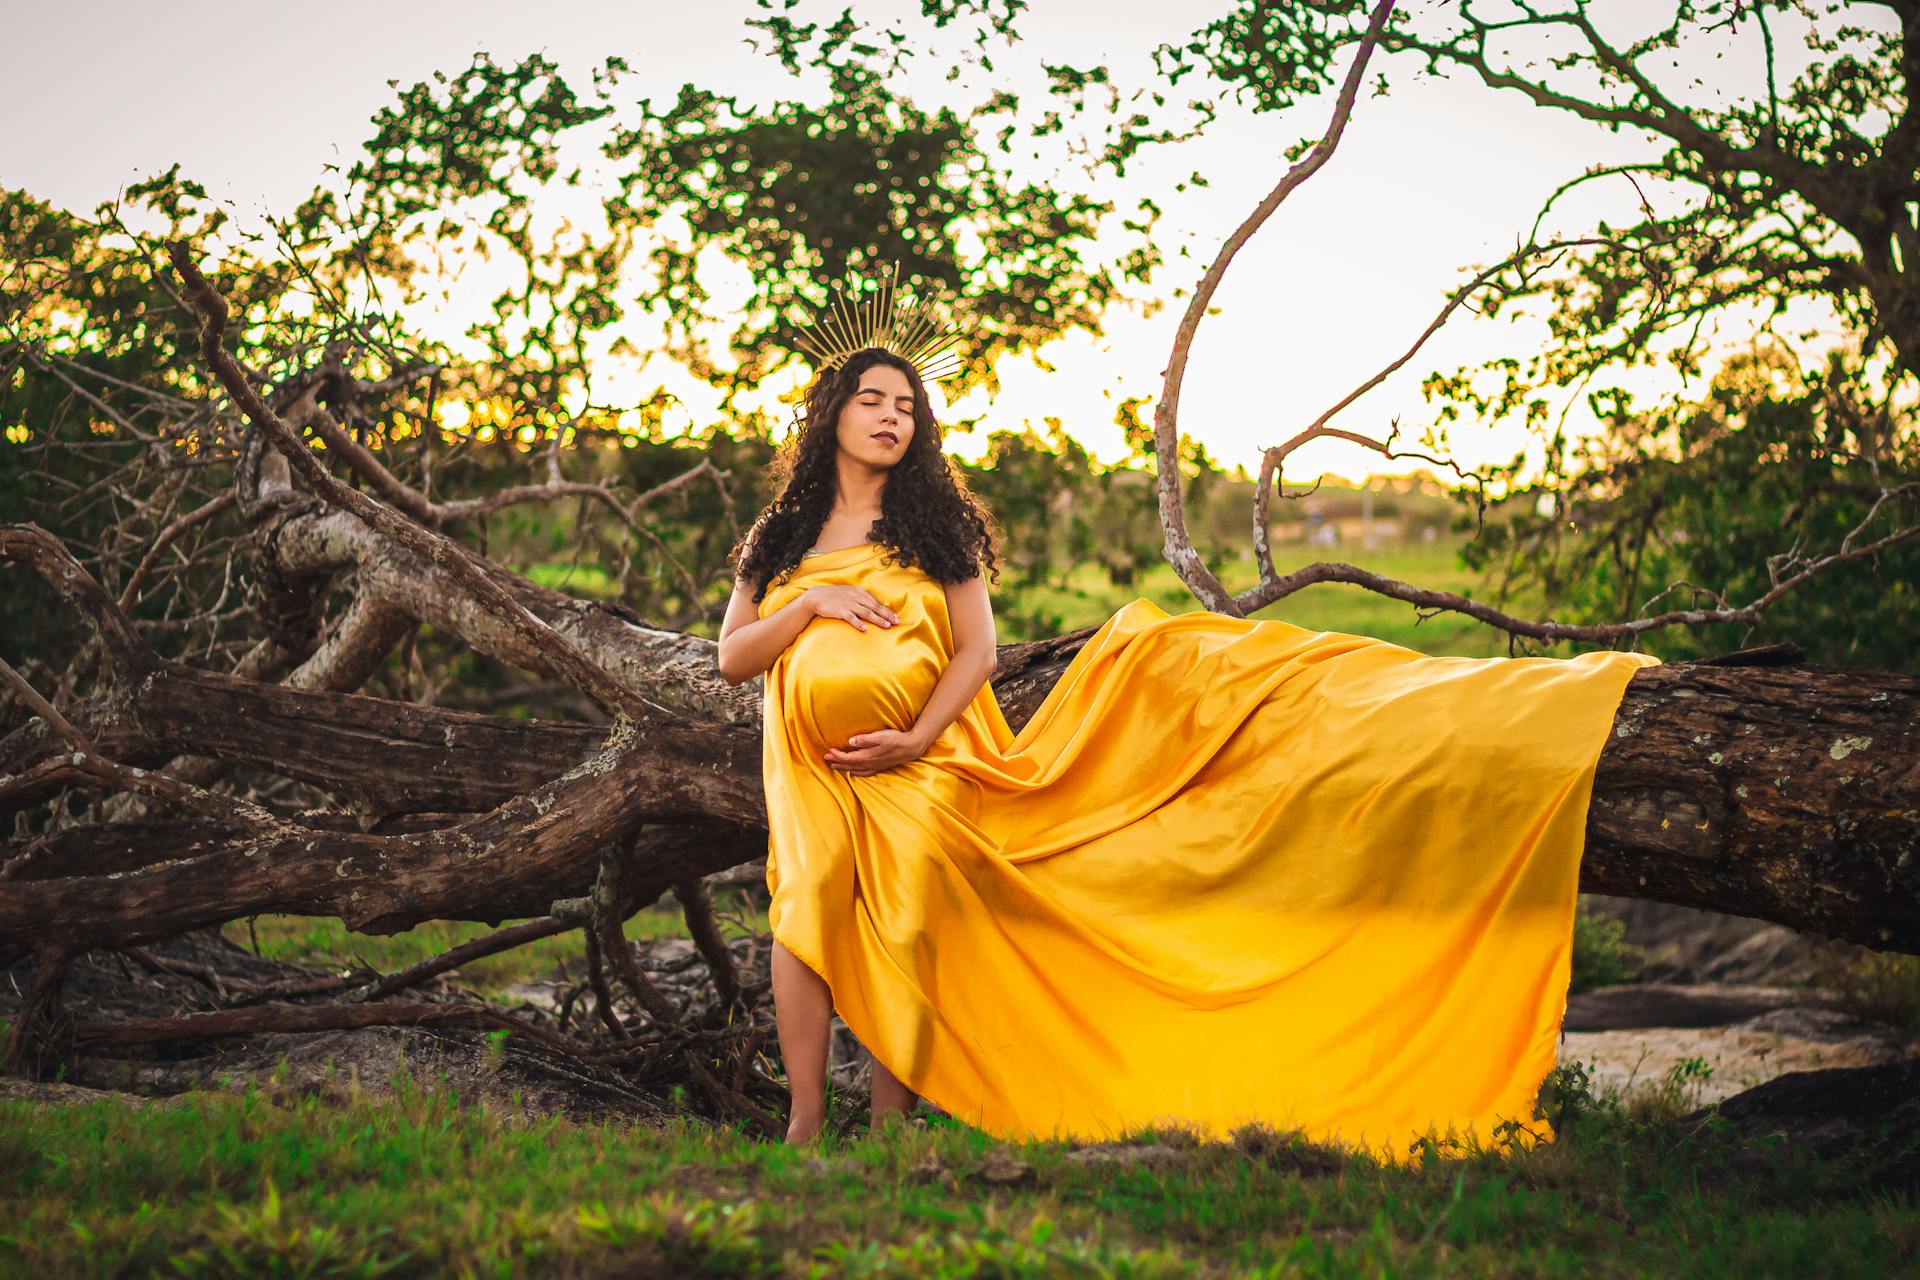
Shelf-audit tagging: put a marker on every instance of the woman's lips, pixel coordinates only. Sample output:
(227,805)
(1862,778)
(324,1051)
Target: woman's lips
(887,436)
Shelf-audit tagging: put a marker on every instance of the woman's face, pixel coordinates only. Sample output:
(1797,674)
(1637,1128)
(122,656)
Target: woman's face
(881,406)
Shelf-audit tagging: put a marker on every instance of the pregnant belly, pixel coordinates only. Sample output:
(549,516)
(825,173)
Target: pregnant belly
(843,681)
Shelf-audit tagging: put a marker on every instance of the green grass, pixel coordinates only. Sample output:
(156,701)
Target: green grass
(423,1183)
(328,943)
(585,579)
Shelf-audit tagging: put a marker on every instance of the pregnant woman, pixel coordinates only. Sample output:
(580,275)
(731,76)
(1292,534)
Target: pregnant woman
(1230,872)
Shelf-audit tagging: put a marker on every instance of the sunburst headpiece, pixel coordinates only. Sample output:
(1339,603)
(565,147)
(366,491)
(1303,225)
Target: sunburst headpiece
(869,314)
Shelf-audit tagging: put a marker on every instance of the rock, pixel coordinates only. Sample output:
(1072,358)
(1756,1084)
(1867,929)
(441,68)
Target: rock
(331,1065)
(929,1168)
(1120,1153)
(339,1065)
(1665,1004)
(48,1092)
(1868,1118)
(1687,945)
(1725,1008)
(1003,1169)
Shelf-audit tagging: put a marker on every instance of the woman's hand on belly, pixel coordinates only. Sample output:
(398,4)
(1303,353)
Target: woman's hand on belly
(844,600)
(867,753)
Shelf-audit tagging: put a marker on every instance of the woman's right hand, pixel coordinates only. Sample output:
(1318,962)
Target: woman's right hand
(854,604)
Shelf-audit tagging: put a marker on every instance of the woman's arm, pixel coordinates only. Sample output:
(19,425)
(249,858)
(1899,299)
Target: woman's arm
(975,655)
(749,644)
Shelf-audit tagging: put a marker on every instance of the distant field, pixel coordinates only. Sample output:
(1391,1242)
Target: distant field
(1324,606)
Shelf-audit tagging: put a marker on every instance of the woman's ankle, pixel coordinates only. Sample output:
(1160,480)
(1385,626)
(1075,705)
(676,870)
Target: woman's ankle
(803,1128)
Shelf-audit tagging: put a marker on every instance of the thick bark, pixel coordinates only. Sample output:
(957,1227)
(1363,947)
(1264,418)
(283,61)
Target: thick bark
(1790,794)
(676,670)
(482,867)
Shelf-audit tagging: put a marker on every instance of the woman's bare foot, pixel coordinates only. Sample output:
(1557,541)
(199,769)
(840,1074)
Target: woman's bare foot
(883,1118)
(804,1128)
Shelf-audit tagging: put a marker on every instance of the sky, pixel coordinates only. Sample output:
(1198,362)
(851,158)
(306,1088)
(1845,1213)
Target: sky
(255,99)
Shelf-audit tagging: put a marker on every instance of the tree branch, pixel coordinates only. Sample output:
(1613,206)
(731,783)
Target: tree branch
(1166,432)
(567,661)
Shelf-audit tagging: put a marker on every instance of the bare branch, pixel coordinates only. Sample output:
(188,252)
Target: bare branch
(493,944)
(566,661)
(296,1017)
(30,545)
(1274,457)
(165,538)
(42,708)
(1166,432)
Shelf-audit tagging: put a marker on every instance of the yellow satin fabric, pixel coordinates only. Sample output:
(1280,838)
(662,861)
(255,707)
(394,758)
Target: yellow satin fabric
(1231,871)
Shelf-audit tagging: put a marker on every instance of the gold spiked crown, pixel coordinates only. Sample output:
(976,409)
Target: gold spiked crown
(869,314)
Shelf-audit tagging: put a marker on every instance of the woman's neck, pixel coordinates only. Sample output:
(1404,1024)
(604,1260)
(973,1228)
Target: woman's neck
(859,487)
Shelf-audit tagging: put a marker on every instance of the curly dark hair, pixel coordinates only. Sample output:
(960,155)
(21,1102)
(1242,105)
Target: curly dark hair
(928,516)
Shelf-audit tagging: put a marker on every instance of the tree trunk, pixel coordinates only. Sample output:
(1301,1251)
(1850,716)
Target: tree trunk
(1789,794)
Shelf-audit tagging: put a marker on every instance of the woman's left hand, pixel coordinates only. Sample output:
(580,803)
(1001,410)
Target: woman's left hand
(867,753)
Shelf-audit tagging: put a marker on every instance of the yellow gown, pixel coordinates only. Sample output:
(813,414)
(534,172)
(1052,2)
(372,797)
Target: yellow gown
(1231,871)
